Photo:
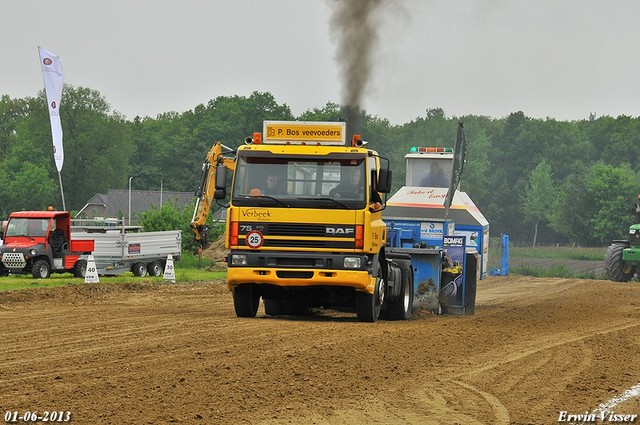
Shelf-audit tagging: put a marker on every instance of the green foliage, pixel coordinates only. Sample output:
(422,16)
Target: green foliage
(594,205)
(190,260)
(184,274)
(170,218)
(558,252)
(568,182)
(540,271)
(539,196)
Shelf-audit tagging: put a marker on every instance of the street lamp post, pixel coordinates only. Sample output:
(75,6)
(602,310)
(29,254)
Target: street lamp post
(129,222)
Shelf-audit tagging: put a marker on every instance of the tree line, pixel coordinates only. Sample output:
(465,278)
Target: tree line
(538,180)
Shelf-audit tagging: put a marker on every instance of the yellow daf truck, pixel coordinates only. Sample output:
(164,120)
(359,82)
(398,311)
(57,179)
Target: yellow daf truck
(304,223)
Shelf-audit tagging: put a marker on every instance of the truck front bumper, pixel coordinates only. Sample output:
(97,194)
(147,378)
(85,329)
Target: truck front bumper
(300,269)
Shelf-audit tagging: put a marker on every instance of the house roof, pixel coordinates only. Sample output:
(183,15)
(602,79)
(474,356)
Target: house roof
(143,200)
(98,199)
(116,201)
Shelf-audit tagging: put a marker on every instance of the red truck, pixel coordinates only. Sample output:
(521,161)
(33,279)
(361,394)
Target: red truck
(39,242)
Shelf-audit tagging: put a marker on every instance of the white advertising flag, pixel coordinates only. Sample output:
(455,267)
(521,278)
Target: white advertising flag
(53,81)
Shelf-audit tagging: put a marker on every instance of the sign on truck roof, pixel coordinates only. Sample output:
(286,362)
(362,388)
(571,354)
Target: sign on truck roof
(296,132)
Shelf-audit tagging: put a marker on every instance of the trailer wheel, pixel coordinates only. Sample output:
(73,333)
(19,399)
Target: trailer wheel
(245,300)
(41,269)
(401,308)
(139,269)
(80,268)
(368,306)
(155,268)
(617,270)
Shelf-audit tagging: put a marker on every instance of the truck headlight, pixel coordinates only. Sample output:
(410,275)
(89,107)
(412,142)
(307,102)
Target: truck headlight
(238,260)
(632,231)
(352,262)
(32,252)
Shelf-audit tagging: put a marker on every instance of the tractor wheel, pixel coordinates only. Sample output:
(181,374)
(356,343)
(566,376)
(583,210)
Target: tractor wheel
(245,300)
(401,308)
(41,269)
(80,268)
(368,306)
(617,269)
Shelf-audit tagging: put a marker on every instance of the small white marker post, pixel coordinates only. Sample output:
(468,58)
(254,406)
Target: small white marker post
(169,271)
(91,274)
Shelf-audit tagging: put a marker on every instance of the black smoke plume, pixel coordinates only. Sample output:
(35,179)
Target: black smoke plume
(354,25)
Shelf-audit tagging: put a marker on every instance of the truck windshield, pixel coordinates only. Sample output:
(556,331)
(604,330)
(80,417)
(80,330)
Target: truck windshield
(27,227)
(330,181)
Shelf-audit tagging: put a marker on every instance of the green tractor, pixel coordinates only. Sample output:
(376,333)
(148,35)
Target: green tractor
(622,259)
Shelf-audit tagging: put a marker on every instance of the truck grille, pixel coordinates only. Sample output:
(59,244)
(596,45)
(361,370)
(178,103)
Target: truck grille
(328,236)
(308,244)
(13,260)
(282,229)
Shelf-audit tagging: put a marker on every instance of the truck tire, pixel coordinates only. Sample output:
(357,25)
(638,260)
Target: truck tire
(401,308)
(80,268)
(368,306)
(245,300)
(41,269)
(616,269)
(155,268)
(139,269)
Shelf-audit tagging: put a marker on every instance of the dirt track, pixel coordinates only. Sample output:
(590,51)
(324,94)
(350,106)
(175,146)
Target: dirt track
(145,354)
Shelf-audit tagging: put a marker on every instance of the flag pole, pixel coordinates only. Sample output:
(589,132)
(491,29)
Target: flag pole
(64,207)
(53,84)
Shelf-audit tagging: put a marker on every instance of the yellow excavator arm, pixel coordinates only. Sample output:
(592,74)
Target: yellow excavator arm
(205,194)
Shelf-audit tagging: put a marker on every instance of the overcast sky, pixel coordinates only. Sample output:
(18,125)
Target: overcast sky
(562,59)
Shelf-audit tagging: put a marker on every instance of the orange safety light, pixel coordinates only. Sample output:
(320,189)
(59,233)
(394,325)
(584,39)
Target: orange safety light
(356,141)
(359,236)
(233,233)
(257,138)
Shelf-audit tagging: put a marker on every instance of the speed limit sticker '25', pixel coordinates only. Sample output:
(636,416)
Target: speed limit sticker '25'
(254,239)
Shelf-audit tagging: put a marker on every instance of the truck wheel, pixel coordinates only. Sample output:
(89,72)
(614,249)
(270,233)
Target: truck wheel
(80,268)
(155,268)
(368,306)
(245,300)
(401,308)
(617,270)
(41,269)
(139,269)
